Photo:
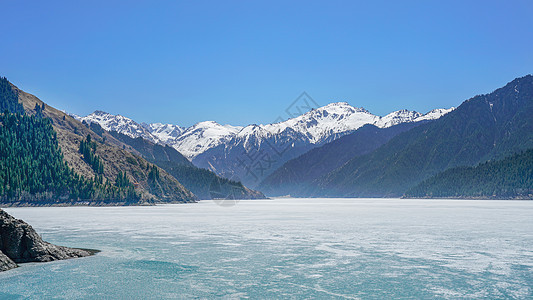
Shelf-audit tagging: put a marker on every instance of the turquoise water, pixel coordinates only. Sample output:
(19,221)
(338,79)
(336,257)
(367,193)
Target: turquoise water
(285,248)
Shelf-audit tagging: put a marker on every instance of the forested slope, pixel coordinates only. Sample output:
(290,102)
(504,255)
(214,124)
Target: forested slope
(484,127)
(45,161)
(511,177)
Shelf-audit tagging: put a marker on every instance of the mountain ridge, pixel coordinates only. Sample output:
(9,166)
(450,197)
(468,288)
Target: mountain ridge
(484,127)
(258,150)
(227,150)
(199,181)
(296,176)
(177,136)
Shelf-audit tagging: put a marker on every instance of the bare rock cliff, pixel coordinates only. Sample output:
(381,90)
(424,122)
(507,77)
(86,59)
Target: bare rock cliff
(20,243)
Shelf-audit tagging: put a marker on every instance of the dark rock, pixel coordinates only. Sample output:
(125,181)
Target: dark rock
(6,263)
(20,243)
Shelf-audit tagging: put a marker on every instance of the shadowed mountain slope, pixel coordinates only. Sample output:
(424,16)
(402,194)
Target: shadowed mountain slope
(482,128)
(296,176)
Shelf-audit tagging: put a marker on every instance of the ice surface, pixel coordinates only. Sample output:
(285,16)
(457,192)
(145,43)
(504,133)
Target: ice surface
(303,248)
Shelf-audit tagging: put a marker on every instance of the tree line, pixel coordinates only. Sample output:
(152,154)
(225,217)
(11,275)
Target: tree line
(511,177)
(32,168)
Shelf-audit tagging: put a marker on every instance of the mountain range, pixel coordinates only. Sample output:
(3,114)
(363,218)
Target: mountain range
(296,177)
(251,153)
(332,151)
(44,161)
(483,128)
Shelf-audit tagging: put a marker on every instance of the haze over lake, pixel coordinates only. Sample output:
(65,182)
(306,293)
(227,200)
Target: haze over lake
(319,248)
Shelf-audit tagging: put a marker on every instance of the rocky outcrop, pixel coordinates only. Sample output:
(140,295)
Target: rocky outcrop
(20,243)
(6,263)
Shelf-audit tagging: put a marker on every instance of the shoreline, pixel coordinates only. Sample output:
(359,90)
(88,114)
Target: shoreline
(124,204)
(472,198)
(87,204)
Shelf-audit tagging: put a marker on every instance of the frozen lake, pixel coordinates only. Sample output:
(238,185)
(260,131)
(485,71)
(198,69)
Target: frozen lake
(285,248)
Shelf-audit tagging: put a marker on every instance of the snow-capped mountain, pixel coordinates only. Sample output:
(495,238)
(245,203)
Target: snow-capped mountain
(316,125)
(233,151)
(119,124)
(200,137)
(257,150)
(166,133)
(190,141)
(334,120)
(397,117)
(434,114)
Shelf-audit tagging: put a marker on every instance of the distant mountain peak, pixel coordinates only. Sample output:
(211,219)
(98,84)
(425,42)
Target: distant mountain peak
(206,123)
(100,112)
(315,126)
(200,137)
(119,124)
(342,105)
(434,114)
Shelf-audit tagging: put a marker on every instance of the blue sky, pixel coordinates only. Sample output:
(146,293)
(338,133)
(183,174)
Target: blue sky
(242,62)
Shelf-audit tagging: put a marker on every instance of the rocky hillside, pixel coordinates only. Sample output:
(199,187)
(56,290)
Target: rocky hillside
(20,243)
(203,183)
(116,156)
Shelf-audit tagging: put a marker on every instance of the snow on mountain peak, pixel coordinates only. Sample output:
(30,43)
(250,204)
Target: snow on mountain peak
(326,123)
(318,125)
(434,114)
(315,125)
(341,107)
(397,117)
(119,124)
(202,136)
(166,133)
